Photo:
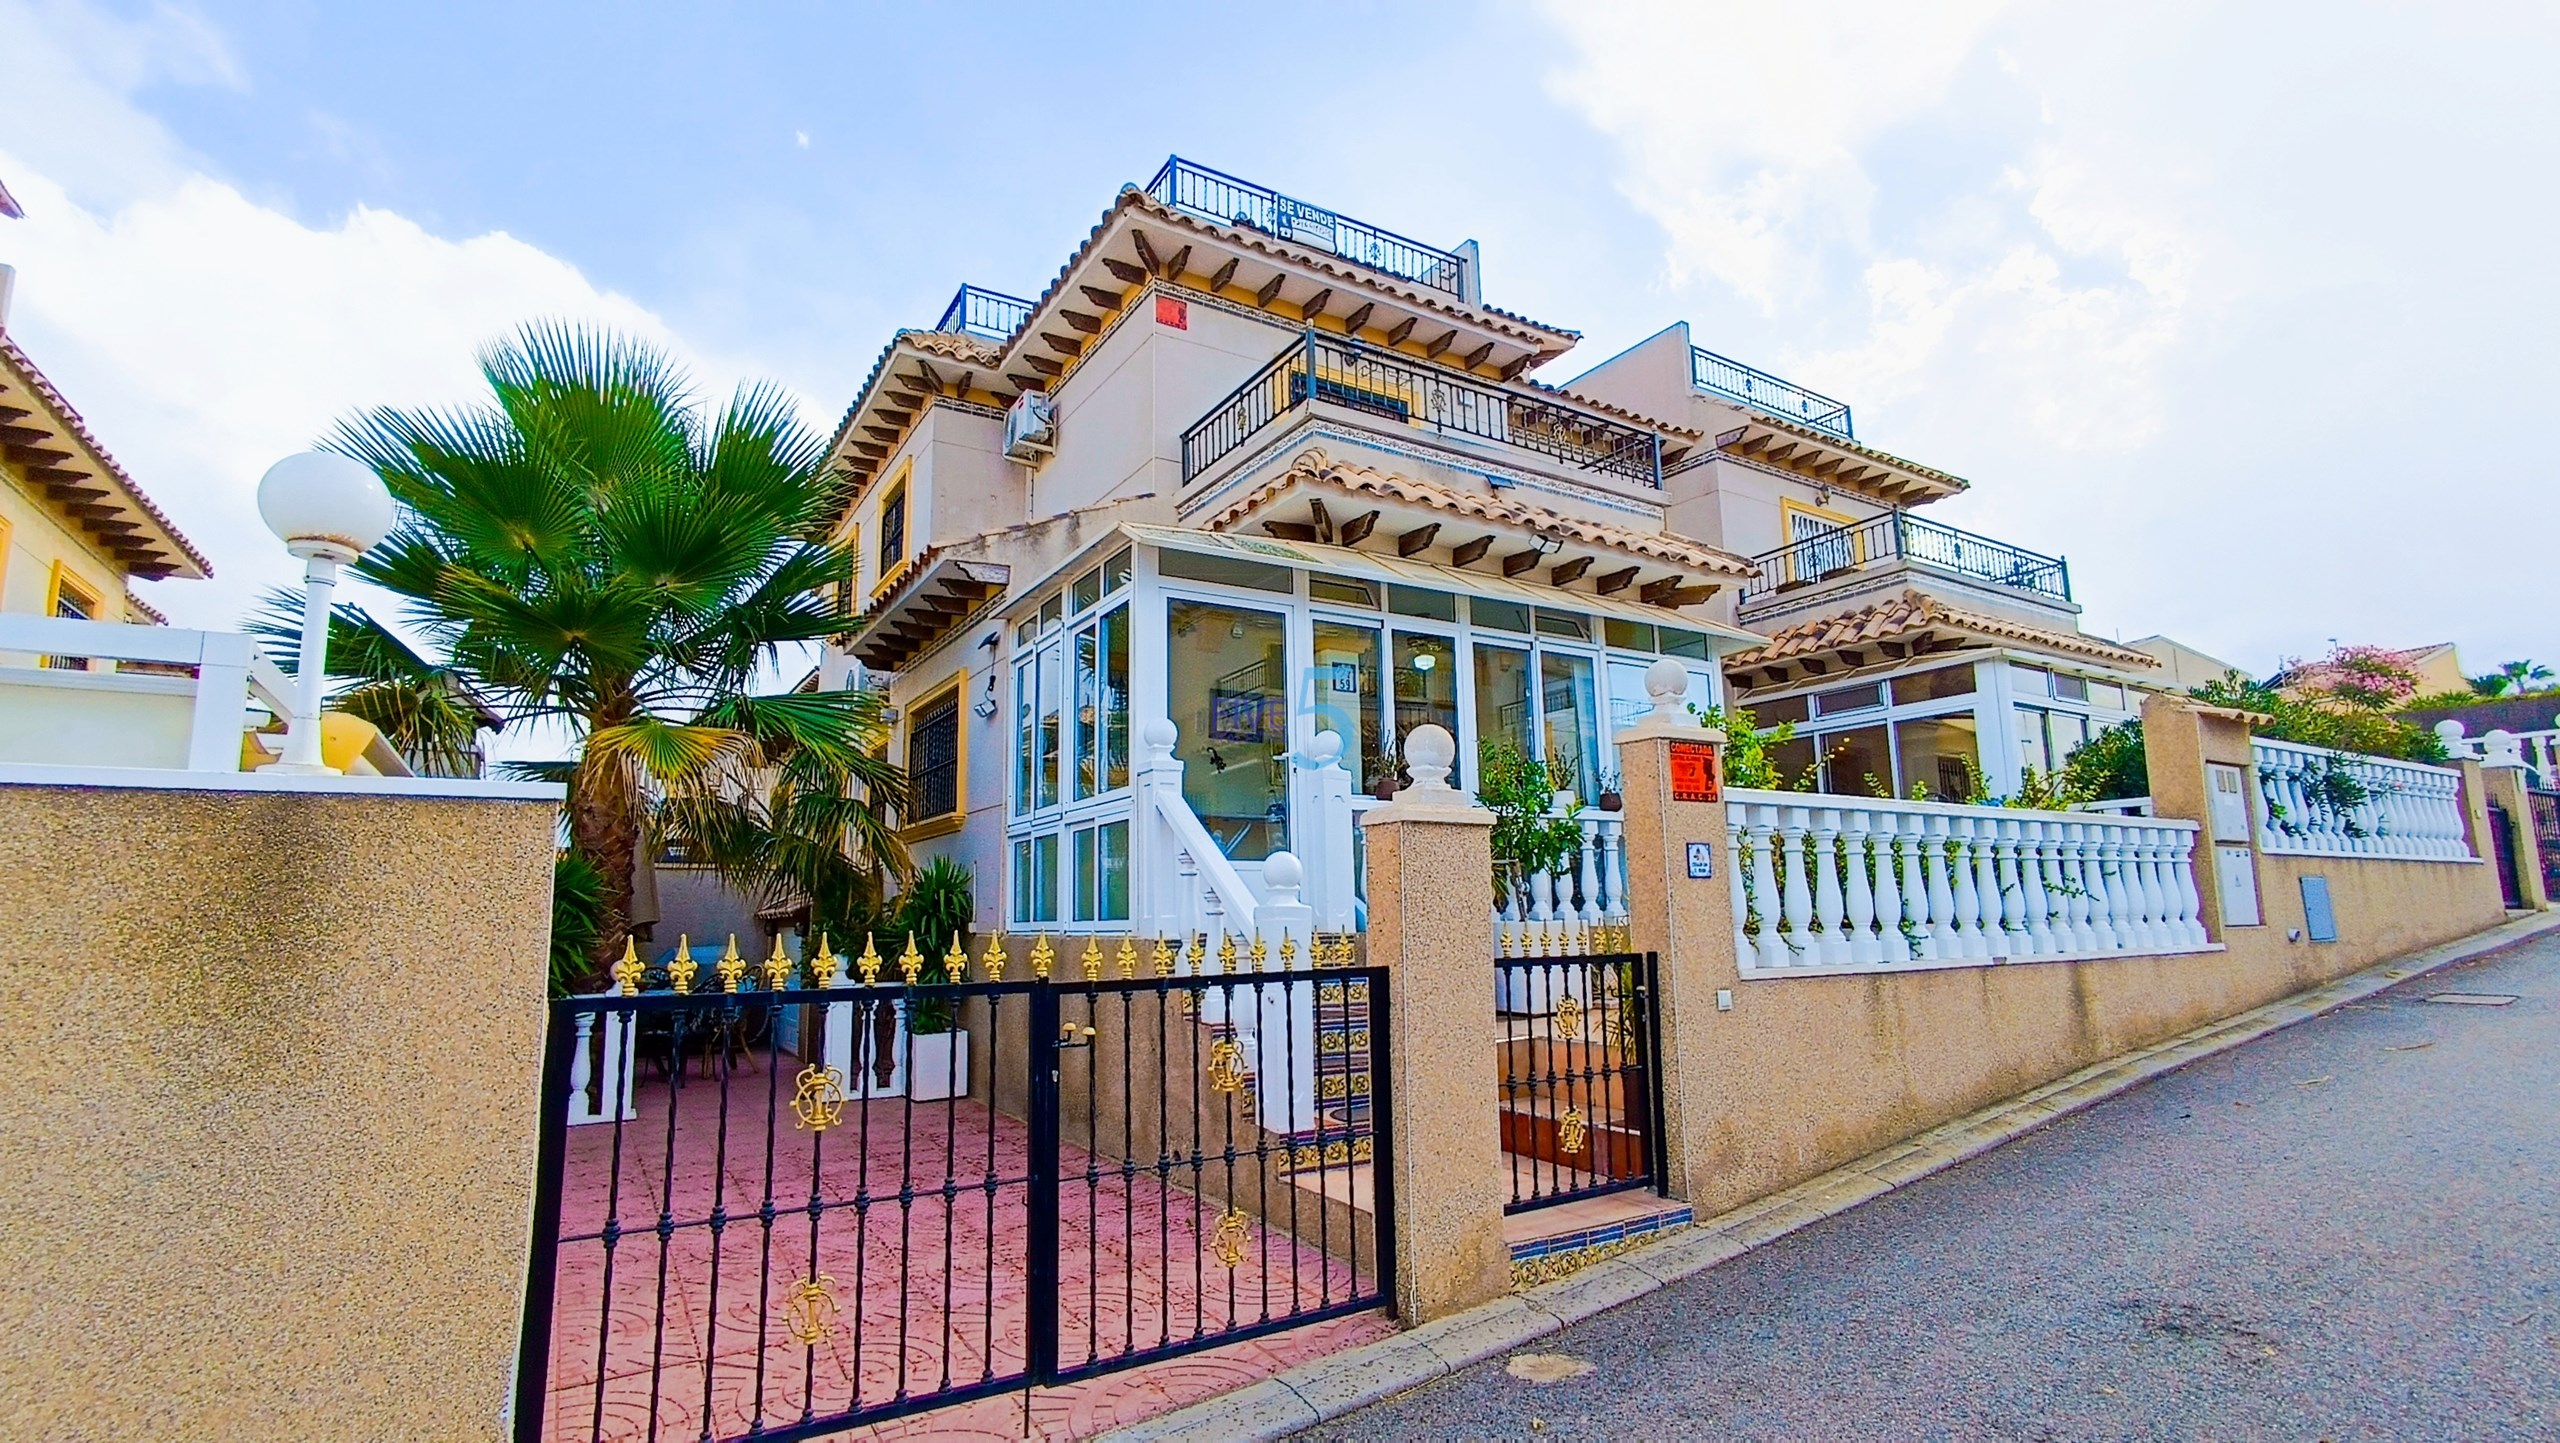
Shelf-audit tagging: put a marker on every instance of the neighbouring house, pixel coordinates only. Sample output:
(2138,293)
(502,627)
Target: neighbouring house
(75,533)
(2182,667)
(2436,666)
(1269,472)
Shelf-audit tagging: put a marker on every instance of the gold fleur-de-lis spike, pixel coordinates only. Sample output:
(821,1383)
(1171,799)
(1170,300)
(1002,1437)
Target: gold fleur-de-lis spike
(1261,953)
(868,964)
(911,962)
(1164,957)
(732,968)
(1042,958)
(824,966)
(778,967)
(626,973)
(680,971)
(955,963)
(1226,950)
(1128,958)
(1288,952)
(1091,962)
(994,959)
(1198,952)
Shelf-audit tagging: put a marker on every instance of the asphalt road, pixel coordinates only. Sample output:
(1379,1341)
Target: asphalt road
(2349,1229)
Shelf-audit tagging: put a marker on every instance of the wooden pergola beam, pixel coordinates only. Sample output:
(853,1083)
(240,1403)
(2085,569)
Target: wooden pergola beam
(1417,540)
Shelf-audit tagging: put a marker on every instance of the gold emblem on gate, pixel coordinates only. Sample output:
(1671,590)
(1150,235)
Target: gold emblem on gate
(818,1098)
(1226,1066)
(1569,1016)
(1572,1131)
(810,1308)
(1234,1230)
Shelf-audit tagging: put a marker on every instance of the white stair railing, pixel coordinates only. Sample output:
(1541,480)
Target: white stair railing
(1563,912)
(1187,887)
(1858,883)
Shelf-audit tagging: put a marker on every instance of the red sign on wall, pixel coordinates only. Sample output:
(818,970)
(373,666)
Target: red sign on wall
(1173,311)
(1693,772)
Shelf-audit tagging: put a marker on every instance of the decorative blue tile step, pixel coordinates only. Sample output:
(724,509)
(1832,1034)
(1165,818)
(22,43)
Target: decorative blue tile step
(1672,1215)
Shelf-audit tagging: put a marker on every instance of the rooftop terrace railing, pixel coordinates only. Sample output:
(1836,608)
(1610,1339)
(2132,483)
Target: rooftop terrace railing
(1361,378)
(1217,196)
(982,312)
(1728,377)
(1901,535)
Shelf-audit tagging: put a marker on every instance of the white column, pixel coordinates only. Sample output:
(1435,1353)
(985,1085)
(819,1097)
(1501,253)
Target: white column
(1593,913)
(1613,837)
(1737,825)
(1970,941)
(1795,825)
(1765,842)
(2031,850)
(2013,896)
(1829,907)
(1891,945)
(1854,844)
(1946,939)
(582,1073)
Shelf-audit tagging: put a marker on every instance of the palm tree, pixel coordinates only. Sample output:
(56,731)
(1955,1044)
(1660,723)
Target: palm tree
(589,549)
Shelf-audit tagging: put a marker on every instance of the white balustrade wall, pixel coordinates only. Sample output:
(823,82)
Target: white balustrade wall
(1849,884)
(2410,810)
(2536,751)
(1562,913)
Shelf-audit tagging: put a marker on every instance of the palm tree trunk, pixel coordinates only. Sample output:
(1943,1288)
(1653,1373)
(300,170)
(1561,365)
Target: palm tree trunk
(604,827)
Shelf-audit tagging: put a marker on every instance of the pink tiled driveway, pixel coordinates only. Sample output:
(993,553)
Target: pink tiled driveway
(937,1279)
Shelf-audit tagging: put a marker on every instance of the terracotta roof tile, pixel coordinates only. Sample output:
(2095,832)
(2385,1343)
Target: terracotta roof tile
(1313,468)
(1917,611)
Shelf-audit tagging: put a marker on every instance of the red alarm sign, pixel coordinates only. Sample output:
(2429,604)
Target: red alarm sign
(1693,772)
(1174,312)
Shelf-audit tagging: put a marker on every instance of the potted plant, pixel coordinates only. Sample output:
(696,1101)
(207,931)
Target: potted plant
(1611,799)
(935,911)
(1537,825)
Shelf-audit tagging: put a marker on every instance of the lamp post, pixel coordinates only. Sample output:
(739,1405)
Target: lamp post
(328,510)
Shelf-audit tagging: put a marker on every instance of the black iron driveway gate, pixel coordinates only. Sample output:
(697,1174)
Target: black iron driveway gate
(1109,1170)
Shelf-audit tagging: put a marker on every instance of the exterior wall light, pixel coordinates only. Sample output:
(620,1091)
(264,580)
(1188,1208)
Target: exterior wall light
(328,510)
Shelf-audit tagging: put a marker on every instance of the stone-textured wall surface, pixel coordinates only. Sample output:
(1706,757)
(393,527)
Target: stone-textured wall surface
(267,1143)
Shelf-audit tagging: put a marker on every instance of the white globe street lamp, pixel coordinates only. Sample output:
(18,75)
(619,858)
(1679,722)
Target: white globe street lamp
(328,510)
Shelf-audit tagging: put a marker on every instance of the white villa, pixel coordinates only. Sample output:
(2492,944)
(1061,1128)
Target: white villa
(1268,472)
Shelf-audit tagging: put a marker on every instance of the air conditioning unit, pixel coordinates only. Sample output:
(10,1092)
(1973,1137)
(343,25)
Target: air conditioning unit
(1031,426)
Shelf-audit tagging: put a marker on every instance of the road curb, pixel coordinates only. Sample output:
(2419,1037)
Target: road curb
(1331,1387)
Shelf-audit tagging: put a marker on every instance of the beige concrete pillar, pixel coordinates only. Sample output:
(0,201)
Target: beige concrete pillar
(1430,922)
(2181,740)
(1686,921)
(267,1147)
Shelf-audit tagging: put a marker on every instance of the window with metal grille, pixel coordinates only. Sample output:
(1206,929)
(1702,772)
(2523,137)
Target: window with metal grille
(893,529)
(933,757)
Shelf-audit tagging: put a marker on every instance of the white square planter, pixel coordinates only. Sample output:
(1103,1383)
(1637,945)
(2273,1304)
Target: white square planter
(938,1066)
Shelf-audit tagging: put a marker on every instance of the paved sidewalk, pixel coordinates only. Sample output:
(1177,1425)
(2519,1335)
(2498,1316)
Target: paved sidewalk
(2363,1213)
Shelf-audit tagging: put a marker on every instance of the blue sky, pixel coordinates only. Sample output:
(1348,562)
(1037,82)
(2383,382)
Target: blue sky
(2243,308)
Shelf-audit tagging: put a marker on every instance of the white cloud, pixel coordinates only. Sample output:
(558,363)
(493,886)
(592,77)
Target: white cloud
(2236,306)
(203,334)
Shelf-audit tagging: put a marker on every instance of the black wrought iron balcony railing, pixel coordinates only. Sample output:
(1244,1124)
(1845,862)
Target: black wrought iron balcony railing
(1217,196)
(1899,535)
(1361,378)
(1728,377)
(982,312)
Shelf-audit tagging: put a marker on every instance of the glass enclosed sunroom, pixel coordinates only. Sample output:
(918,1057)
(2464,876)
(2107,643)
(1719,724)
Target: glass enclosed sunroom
(1252,647)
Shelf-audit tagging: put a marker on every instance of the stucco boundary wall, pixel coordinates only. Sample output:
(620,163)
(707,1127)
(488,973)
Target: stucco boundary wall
(1802,1074)
(267,1145)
